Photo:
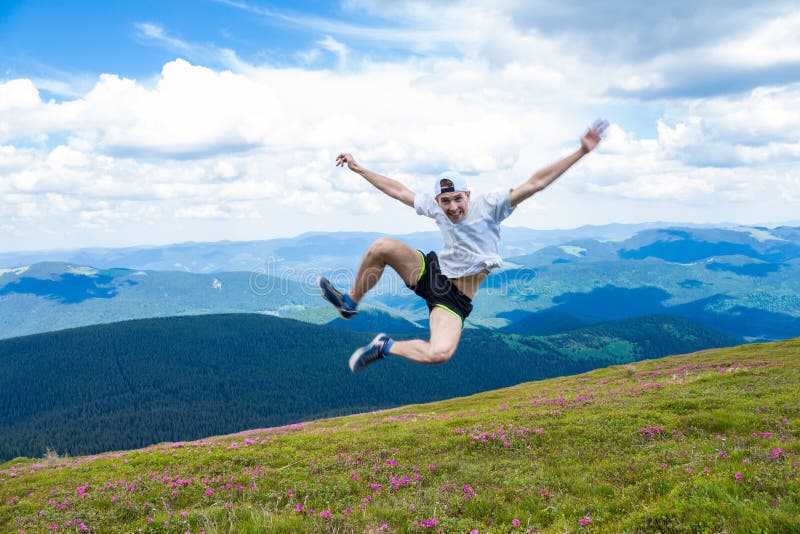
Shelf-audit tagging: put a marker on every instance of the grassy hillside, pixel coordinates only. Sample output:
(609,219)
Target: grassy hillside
(133,383)
(704,442)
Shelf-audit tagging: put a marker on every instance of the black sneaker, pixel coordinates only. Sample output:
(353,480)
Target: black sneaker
(368,353)
(335,297)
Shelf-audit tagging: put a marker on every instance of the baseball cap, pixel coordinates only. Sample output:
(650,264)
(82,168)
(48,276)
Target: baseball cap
(448,182)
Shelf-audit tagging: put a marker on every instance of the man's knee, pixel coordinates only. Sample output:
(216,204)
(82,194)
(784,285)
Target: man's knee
(442,354)
(381,246)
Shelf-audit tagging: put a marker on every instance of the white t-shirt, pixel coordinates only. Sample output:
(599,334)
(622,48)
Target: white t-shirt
(473,244)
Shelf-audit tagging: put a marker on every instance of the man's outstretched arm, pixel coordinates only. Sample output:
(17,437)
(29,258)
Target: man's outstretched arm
(548,175)
(391,187)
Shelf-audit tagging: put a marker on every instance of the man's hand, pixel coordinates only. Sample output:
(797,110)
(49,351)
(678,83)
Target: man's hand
(391,187)
(544,177)
(593,135)
(347,159)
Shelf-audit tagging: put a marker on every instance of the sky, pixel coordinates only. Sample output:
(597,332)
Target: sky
(152,122)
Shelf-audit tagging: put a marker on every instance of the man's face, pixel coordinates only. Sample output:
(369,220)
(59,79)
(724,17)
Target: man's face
(454,205)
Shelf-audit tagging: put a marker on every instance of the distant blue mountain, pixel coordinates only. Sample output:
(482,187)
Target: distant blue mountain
(611,303)
(66,288)
(319,250)
(684,246)
(744,281)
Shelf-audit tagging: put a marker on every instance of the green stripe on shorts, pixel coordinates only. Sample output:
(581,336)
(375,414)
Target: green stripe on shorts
(422,270)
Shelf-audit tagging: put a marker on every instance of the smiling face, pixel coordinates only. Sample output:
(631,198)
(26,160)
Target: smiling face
(454,205)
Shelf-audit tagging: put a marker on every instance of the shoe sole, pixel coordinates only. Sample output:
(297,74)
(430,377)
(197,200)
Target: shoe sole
(358,353)
(330,294)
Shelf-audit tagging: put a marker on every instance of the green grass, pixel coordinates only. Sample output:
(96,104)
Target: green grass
(697,443)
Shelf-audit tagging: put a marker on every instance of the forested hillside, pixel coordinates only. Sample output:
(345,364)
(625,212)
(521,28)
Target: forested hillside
(134,383)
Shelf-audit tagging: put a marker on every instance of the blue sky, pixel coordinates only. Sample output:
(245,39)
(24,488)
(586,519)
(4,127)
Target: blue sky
(156,122)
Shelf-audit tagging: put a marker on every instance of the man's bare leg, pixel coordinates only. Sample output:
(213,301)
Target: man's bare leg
(445,334)
(444,325)
(385,251)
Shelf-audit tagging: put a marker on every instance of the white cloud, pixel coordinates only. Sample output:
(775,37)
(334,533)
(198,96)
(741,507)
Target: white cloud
(13,158)
(156,33)
(205,211)
(484,93)
(764,114)
(772,42)
(339,49)
(203,53)
(708,152)
(18,94)
(790,187)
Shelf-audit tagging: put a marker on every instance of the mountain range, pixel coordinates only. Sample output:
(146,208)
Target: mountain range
(741,280)
(325,250)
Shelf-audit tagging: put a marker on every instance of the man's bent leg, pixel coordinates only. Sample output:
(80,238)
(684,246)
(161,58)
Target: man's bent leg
(445,335)
(385,251)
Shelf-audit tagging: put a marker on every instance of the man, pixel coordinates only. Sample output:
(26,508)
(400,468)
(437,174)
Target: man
(447,281)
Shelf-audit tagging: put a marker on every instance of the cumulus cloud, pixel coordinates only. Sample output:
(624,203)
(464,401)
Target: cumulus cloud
(710,151)
(493,93)
(19,95)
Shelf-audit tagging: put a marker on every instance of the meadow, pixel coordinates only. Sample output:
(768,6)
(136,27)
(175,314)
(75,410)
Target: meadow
(704,442)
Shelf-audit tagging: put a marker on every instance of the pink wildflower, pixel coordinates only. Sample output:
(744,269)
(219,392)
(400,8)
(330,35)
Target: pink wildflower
(468,491)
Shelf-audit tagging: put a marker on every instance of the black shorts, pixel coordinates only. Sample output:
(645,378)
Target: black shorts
(438,290)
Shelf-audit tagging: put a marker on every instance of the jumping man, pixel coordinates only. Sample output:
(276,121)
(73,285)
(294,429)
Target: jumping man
(448,281)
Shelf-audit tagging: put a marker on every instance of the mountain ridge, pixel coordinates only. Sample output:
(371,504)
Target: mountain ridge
(745,281)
